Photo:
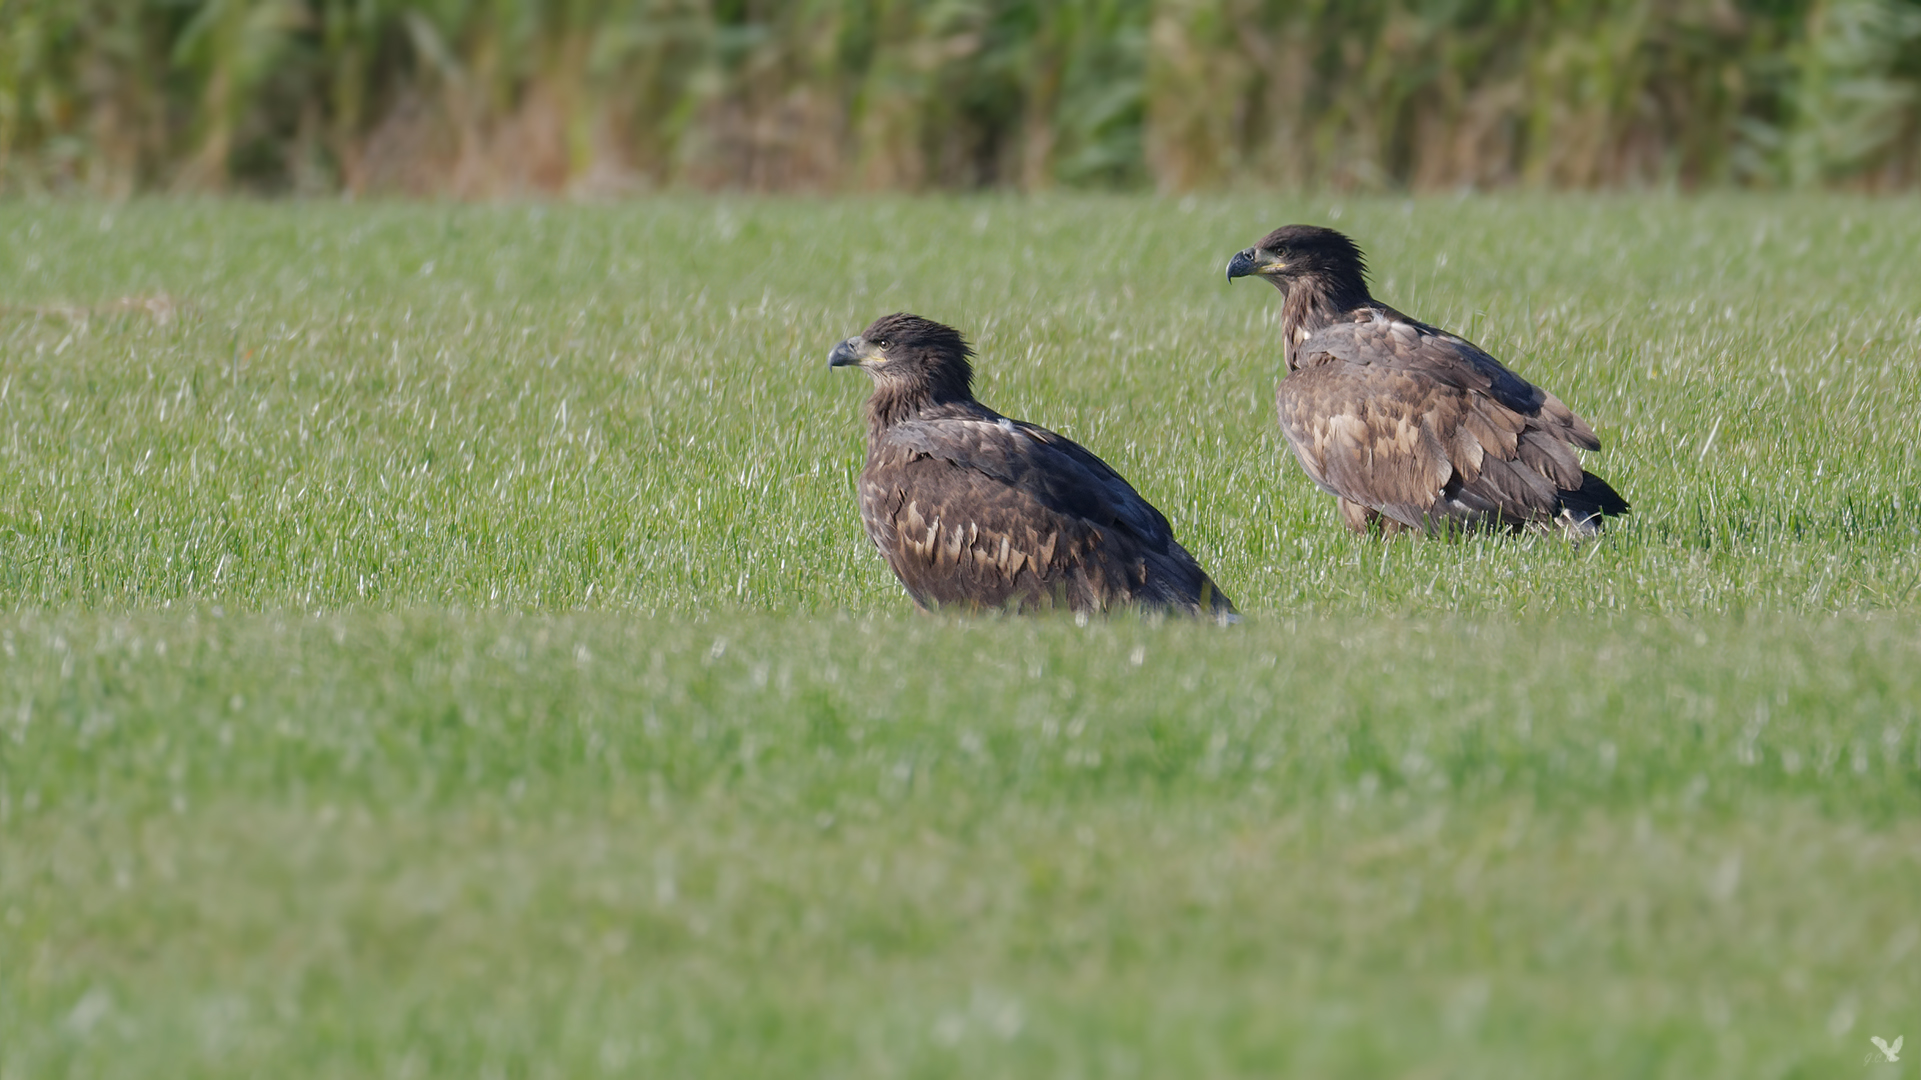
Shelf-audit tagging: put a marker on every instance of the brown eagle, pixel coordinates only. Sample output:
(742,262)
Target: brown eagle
(973,509)
(1409,426)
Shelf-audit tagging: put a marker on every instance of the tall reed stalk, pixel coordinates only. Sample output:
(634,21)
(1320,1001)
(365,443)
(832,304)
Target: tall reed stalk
(477,98)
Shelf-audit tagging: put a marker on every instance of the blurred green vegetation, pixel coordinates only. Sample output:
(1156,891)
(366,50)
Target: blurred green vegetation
(480,98)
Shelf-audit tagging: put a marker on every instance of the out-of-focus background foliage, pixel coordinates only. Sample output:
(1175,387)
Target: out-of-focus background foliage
(482,98)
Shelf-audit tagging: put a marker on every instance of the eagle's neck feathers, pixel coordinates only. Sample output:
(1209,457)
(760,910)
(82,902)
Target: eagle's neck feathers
(898,399)
(1317,301)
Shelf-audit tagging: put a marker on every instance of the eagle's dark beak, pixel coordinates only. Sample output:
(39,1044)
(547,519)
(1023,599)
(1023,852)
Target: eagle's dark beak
(846,354)
(1242,264)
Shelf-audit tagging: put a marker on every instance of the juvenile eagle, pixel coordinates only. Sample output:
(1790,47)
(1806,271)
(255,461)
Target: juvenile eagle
(1409,426)
(973,509)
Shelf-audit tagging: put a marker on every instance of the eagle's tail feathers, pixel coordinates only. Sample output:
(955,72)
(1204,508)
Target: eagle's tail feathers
(1594,497)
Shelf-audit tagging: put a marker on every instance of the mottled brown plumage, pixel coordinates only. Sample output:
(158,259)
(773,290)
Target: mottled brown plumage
(1409,426)
(975,510)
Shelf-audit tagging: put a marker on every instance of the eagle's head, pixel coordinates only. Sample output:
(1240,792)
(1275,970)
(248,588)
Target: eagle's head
(1295,253)
(908,353)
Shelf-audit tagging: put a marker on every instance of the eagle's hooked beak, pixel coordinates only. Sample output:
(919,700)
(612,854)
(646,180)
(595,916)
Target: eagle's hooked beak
(1252,261)
(848,353)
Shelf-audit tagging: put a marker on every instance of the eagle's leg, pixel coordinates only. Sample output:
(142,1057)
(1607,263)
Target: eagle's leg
(1364,519)
(1355,514)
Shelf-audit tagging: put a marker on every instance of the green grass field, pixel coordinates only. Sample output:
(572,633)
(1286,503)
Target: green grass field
(439,641)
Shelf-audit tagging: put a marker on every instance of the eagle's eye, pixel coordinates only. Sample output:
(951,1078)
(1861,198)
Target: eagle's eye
(882,343)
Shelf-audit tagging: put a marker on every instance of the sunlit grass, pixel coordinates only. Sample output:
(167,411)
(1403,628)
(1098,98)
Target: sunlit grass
(440,642)
(628,409)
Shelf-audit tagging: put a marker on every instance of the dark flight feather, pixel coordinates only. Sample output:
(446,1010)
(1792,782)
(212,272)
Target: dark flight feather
(1408,426)
(976,510)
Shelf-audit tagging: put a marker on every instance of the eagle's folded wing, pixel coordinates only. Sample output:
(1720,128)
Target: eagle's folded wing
(1423,427)
(992,511)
